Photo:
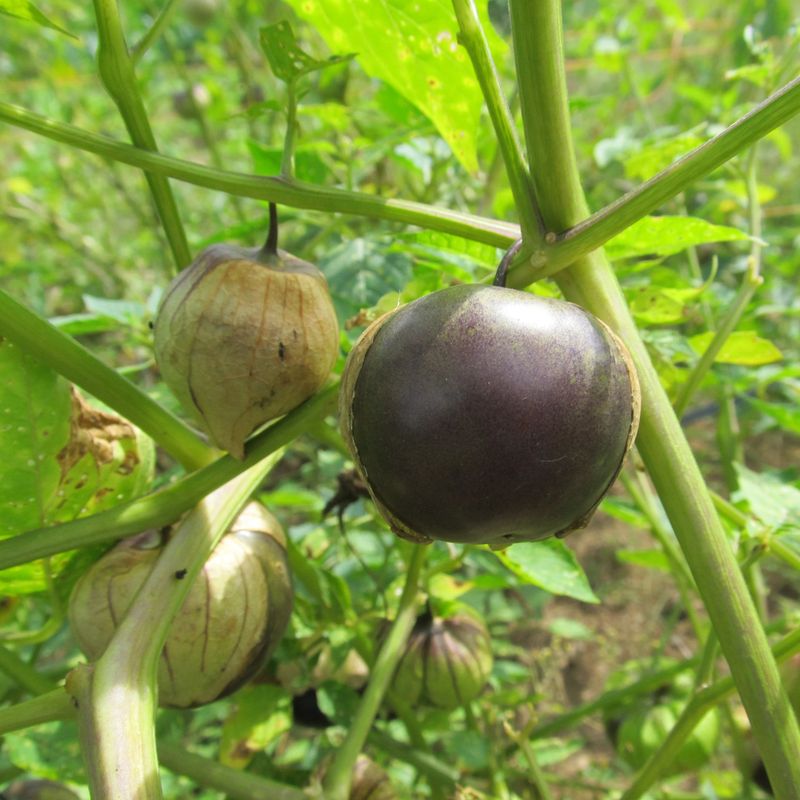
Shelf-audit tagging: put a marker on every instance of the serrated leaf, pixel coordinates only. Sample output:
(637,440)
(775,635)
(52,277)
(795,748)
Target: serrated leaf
(666,235)
(262,714)
(551,566)
(411,45)
(774,502)
(652,158)
(286,59)
(745,348)
(24,9)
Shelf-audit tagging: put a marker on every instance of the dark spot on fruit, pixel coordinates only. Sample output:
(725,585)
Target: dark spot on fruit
(281,351)
(181,574)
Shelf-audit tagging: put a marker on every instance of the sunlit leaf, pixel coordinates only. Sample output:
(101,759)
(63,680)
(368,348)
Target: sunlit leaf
(551,566)
(23,9)
(286,58)
(745,348)
(664,236)
(411,45)
(787,416)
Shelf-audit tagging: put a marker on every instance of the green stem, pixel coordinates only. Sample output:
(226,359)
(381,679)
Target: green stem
(590,282)
(155,30)
(22,673)
(581,237)
(641,494)
(784,553)
(297,194)
(338,778)
(287,160)
(21,638)
(233,783)
(166,505)
(72,360)
(752,280)
(537,776)
(473,38)
(117,72)
(121,759)
(702,702)
(435,770)
(50,707)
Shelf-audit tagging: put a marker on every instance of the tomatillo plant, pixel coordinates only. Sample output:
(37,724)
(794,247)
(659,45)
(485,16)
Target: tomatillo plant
(484,414)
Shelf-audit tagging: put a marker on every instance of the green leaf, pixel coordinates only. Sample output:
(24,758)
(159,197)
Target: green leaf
(34,427)
(23,9)
(49,751)
(262,714)
(745,348)
(651,559)
(663,236)
(308,164)
(551,566)
(774,502)
(286,59)
(411,45)
(660,306)
(787,416)
(61,458)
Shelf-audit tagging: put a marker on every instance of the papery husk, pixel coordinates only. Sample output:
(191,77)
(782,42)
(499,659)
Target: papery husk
(242,338)
(232,619)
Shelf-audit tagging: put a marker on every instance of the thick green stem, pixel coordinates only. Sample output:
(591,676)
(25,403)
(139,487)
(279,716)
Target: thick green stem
(339,776)
(166,505)
(233,783)
(117,696)
(473,38)
(296,194)
(117,72)
(72,360)
(537,33)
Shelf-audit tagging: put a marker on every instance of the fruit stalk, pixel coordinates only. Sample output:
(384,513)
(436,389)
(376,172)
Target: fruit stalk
(538,46)
(116,697)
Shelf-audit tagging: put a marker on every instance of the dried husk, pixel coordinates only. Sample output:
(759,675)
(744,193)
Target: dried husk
(242,338)
(232,619)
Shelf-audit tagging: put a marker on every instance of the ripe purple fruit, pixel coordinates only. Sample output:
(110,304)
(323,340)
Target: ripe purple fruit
(486,415)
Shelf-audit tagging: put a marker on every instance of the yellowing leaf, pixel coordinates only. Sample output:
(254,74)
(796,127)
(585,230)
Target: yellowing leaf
(744,348)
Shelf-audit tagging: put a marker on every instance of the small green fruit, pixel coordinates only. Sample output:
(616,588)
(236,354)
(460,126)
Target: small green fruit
(232,619)
(486,415)
(447,661)
(243,336)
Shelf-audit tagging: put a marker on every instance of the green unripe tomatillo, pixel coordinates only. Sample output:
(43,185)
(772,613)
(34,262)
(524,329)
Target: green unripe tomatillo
(487,415)
(447,660)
